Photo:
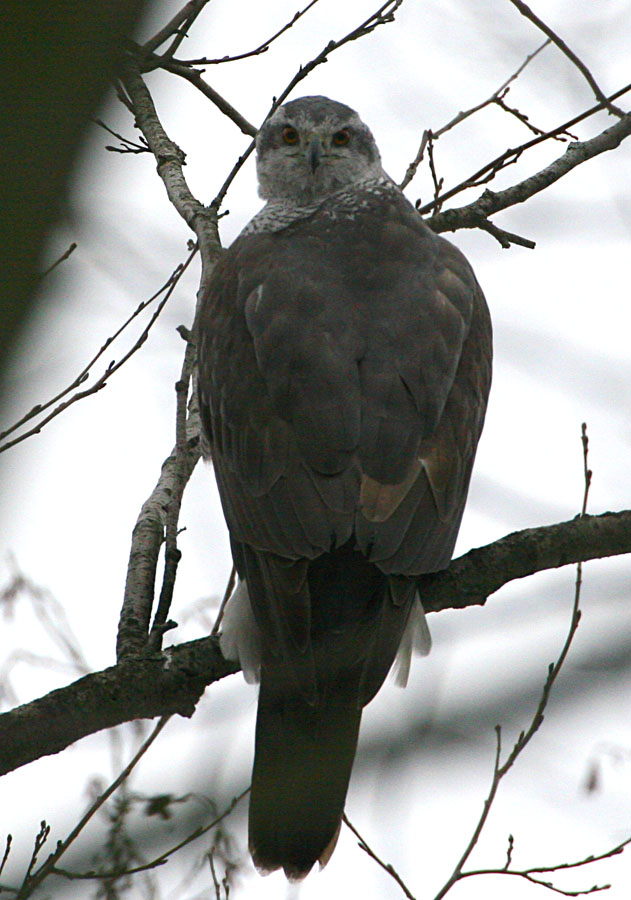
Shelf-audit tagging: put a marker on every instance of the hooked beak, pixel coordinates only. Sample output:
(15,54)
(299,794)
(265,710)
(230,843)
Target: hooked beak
(314,152)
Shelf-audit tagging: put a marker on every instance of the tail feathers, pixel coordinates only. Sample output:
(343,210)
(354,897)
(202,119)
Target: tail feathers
(303,760)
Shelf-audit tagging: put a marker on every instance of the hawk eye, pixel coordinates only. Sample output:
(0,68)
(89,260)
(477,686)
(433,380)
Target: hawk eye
(290,135)
(341,138)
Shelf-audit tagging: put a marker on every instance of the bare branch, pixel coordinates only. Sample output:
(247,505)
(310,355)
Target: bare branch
(495,782)
(31,882)
(495,97)
(148,532)
(226,596)
(524,119)
(127,146)
(165,856)
(472,578)
(195,78)
(410,172)
(262,48)
(185,17)
(503,237)
(202,220)
(183,467)
(173,681)
(491,202)
(111,369)
(63,257)
(438,182)
(216,203)
(387,867)
(500,770)
(510,156)
(7,850)
(526,11)
(529,873)
(147,540)
(381,16)
(40,840)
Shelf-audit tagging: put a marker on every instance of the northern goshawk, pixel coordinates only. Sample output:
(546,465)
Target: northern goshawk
(344,368)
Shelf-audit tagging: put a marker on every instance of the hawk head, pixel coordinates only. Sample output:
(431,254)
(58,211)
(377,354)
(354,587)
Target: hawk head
(311,147)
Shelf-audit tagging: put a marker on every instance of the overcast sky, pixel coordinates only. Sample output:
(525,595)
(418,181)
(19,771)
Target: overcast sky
(562,321)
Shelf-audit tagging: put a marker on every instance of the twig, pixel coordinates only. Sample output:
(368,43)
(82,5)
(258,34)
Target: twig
(7,850)
(382,16)
(505,238)
(223,190)
(164,857)
(587,472)
(147,539)
(187,14)
(461,116)
(528,874)
(210,856)
(523,118)
(40,839)
(63,256)
(101,382)
(32,882)
(226,596)
(499,92)
(500,770)
(128,146)
(262,48)
(411,170)
(438,183)
(195,78)
(387,867)
(492,202)
(510,156)
(172,554)
(182,31)
(526,11)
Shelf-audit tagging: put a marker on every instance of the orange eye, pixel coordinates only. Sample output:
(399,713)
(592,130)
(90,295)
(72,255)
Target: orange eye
(290,135)
(341,138)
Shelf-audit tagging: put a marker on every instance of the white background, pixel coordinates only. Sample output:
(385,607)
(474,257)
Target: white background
(562,316)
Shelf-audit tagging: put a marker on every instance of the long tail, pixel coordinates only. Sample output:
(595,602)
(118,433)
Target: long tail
(306,740)
(303,759)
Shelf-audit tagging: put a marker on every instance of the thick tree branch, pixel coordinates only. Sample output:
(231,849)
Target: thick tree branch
(471,578)
(167,683)
(173,681)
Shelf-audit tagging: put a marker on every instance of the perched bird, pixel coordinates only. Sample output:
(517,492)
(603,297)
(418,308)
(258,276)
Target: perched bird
(344,368)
